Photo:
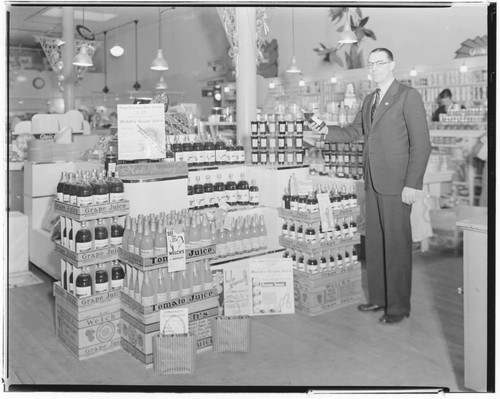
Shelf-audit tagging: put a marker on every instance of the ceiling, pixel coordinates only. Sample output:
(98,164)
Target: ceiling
(28,21)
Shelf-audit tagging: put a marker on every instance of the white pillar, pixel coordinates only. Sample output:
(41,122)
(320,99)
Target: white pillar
(246,81)
(68,53)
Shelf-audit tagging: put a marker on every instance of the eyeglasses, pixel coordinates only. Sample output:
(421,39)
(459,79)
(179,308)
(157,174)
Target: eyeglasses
(377,64)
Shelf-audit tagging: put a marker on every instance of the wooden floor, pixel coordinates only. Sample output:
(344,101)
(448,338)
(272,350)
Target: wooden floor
(343,348)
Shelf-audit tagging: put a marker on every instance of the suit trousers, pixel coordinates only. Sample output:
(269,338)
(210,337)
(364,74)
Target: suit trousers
(388,247)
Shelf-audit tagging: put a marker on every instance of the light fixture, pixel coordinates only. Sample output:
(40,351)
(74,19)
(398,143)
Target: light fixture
(413,72)
(272,85)
(348,36)
(83,58)
(302,83)
(161,84)
(136,85)
(105,89)
(463,68)
(116,50)
(226,89)
(333,80)
(60,42)
(293,68)
(159,63)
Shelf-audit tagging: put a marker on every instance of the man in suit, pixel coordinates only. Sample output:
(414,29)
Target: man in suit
(397,148)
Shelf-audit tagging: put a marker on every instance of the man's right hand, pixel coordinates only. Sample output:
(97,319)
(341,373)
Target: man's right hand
(314,124)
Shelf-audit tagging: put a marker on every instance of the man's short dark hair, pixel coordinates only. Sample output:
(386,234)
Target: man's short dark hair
(383,50)
(446,93)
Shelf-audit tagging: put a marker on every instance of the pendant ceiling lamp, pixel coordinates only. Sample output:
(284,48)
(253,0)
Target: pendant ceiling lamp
(293,68)
(116,50)
(159,63)
(348,36)
(105,89)
(136,85)
(83,58)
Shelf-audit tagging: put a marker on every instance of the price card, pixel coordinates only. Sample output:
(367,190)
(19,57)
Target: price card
(174,321)
(325,211)
(176,251)
(272,286)
(237,298)
(141,131)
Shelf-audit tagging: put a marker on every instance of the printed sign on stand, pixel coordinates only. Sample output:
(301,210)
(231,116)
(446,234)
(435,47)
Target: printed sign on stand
(237,297)
(176,247)
(272,286)
(141,131)
(325,211)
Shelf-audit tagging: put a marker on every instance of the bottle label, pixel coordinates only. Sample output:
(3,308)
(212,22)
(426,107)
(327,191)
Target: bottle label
(101,199)
(302,207)
(263,157)
(255,142)
(168,159)
(116,240)
(101,287)
(241,156)
(191,201)
(71,287)
(354,202)
(239,246)
(179,156)
(186,291)
(300,266)
(201,157)
(299,157)
(247,244)
(148,300)
(174,294)
(284,232)
(196,288)
(101,243)
(116,197)
(205,242)
(200,200)
(83,291)
(233,157)
(255,157)
(60,196)
(263,242)
(263,142)
(131,248)
(112,167)
(221,250)
(289,142)
(281,142)
(338,234)
(242,195)
(210,156)
(312,268)
(331,264)
(310,208)
(116,284)
(353,230)
(255,243)
(292,235)
(220,156)
(210,198)
(232,196)
(162,297)
(272,142)
(254,197)
(147,253)
(294,206)
(311,239)
(289,157)
(354,258)
(72,199)
(272,157)
(83,246)
(160,251)
(188,156)
(300,236)
(137,296)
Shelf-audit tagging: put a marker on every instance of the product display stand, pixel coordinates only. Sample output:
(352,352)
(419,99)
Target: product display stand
(87,317)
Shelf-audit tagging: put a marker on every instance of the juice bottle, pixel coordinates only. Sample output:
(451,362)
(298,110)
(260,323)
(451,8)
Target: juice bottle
(345,228)
(300,233)
(162,287)
(147,245)
(138,237)
(100,190)
(301,203)
(231,154)
(110,160)
(190,194)
(131,285)
(197,284)
(147,292)
(208,189)
(199,194)
(83,284)
(177,149)
(220,151)
(230,234)
(117,276)
(238,237)
(284,229)
(116,189)
(221,244)
(253,192)
(83,239)
(137,289)
(60,186)
(67,187)
(323,263)
(100,235)
(116,232)
(101,279)
(160,240)
(195,234)
(198,152)
(131,236)
(255,233)
(73,191)
(205,233)
(354,255)
(209,150)
(247,235)
(353,228)
(126,232)
(262,233)
(207,277)
(84,194)
(240,153)
(231,191)
(169,154)
(187,150)
(310,235)
(71,282)
(219,189)
(285,200)
(242,191)
(312,265)
(300,262)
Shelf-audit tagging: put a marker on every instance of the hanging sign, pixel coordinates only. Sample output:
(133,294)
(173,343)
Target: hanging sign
(176,251)
(473,47)
(325,211)
(141,131)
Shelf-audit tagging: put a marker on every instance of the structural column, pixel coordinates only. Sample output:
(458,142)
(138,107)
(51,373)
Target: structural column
(68,53)
(246,80)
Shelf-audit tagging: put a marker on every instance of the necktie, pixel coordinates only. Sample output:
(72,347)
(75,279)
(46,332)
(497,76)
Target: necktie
(375,103)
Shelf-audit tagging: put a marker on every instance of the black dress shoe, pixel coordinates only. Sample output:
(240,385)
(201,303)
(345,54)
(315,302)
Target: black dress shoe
(368,307)
(392,319)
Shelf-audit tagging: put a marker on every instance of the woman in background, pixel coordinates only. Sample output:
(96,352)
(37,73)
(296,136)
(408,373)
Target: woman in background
(446,103)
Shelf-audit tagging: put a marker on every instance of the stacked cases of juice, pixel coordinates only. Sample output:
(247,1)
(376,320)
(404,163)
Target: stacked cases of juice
(167,266)
(277,143)
(327,274)
(344,160)
(92,209)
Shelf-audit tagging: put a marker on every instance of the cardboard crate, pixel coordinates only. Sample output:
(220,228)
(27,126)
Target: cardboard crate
(333,293)
(320,279)
(88,326)
(87,258)
(138,330)
(89,212)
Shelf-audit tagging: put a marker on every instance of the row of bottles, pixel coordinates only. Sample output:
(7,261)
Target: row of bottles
(146,236)
(100,281)
(323,261)
(307,233)
(203,151)
(210,195)
(340,200)
(158,286)
(289,157)
(90,188)
(91,235)
(280,127)
(344,160)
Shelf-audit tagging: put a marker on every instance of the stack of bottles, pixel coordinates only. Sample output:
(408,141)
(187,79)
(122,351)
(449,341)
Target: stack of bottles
(157,286)
(105,277)
(146,235)
(91,235)
(205,194)
(344,160)
(277,142)
(90,188)
(202,151)
(340,200)
(330,260)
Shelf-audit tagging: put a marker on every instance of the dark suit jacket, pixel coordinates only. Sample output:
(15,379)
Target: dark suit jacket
(397,144)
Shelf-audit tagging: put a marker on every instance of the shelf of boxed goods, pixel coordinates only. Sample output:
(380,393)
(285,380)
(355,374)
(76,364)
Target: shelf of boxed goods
(87,323)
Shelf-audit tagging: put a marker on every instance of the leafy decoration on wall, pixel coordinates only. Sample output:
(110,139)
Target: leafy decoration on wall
(354,57)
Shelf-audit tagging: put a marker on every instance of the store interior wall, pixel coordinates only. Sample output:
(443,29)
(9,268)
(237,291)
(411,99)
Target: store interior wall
(417,36)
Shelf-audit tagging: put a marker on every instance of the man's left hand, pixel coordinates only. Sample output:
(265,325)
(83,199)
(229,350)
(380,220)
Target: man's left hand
(410,195)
